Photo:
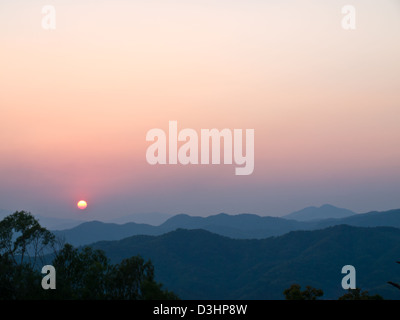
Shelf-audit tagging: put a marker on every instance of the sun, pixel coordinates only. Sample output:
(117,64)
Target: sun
(82,204)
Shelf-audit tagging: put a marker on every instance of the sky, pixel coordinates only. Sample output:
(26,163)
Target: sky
(77,102)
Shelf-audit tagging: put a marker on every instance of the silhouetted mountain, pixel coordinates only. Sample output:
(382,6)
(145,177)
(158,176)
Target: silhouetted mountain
(389,218)
(326,211)
(93,231)
(57,223)
(152,218)
(235,226)
(242,226)
(197,264)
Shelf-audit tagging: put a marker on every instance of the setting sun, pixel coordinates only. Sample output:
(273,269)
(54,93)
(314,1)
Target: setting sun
(82,204)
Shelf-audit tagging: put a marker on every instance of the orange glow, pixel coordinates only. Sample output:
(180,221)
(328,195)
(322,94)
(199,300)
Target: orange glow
(323,103)
(82,204)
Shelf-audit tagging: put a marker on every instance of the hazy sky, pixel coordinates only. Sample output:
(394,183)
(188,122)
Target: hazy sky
(76,104)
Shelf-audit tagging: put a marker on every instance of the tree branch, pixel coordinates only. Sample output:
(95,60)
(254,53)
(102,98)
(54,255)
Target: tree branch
(394,284)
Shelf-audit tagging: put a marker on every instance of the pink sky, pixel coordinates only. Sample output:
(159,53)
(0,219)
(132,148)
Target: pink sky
(76,104)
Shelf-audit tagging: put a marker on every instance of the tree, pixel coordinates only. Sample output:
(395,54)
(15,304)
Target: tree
(22,237)
(295,293)
(88,274)
(357,294)
(23,243)
(18,281)
(83,273)
(6,278)
(133,279)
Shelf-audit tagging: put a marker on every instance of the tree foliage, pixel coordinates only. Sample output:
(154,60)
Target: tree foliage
(88,274)
(133,279)
(357,294)
(310,293)
(295,293)
(83,273)
(18,281)
(23,239)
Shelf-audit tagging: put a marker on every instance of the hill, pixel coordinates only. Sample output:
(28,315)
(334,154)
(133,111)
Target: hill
(326,211)
(371,219)
(93,231)
(197,264)
(152,218)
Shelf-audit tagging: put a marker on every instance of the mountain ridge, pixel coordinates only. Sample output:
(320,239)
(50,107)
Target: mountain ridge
(198,264)
(242,226)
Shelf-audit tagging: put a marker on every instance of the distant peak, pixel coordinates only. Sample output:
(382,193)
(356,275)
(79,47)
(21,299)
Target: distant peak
(325,211)
(327,206)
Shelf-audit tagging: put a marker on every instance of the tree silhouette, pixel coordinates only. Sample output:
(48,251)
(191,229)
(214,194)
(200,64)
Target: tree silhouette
(83,273)
(357,294)
(295,293)
(80,273)
(87,274)
(23,239)
(133,279)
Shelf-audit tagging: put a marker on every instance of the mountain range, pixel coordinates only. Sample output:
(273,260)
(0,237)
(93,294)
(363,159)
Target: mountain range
(198,264)
(247,256)
(241,226)
(53,223)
